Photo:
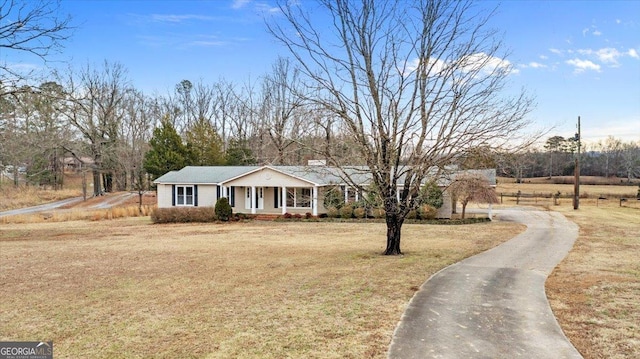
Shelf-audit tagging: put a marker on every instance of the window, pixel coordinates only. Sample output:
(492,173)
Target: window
(184,196)
(299,197)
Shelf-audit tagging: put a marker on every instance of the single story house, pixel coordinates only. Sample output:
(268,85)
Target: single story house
(268,189)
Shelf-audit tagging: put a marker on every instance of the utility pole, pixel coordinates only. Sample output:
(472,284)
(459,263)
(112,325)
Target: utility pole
(576,190)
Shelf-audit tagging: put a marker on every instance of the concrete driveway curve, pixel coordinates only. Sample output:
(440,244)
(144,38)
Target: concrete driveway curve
(492,305)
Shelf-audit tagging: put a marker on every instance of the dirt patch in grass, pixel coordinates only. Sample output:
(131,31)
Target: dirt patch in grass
(126,288)
(595,291)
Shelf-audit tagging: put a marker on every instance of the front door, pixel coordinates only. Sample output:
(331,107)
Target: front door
(247,198)
(260,197)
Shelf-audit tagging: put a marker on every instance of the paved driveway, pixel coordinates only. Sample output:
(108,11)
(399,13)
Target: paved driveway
(492,305)
(106,202)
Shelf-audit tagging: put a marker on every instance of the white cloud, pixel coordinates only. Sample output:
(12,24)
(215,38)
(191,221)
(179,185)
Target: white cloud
(633,53)
(597,33)
(434,66)
(239,4)
(537,65)
(487,64)
(607,55)
(585,31)
(206,43)
(179,18)
(556,51)
(618,21)
(582,65)
(267,9)
(543,57)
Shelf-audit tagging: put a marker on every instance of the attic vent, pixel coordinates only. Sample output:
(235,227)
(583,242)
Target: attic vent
(316,163)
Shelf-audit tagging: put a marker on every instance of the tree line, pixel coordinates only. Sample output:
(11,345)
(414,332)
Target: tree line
(94,112)
(610,157)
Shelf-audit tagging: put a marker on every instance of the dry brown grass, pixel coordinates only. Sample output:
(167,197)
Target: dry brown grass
(12,197)
(125,288)
(79,214)
(595,291)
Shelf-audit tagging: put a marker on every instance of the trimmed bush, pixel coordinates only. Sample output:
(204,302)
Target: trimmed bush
(427,212)
(378,212)
(360,212)
(413,214)
(183,215)
(346,211)
(308,215)
(332,212)
(223,209)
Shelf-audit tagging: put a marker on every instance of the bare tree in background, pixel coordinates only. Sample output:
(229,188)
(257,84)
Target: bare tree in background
(95,106)
(31,27)
(281,109)
(416,84)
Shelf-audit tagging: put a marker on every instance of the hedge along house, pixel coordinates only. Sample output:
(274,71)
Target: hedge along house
(268,189)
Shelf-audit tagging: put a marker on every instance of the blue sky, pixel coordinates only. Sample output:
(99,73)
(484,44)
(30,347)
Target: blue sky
(579,58)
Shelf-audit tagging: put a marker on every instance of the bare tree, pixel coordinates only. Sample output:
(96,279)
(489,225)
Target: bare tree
(631,159)
(32,27)
(415,83)
(95,106)
(281,109)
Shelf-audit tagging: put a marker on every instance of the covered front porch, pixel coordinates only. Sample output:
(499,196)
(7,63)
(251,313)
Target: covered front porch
(266,191)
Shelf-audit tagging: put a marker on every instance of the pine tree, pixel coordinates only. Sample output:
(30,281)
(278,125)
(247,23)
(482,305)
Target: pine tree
(167,152)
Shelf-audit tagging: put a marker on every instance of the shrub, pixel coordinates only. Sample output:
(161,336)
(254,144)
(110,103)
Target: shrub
(378,212)
(346,211)
(427,212)
(297,216)
(308,215)
(332,212)
(182,215)
(287,215)
(431,194)
(413,214)
(223,209)
(333,198)
(359,212)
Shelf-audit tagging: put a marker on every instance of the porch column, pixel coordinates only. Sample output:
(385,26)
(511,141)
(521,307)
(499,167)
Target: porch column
(346,194)
(284,200)
(223,192)
(253,199)
(491,211)
(314,200)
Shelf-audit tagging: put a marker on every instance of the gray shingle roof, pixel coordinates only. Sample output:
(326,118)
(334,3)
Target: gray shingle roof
(318,175)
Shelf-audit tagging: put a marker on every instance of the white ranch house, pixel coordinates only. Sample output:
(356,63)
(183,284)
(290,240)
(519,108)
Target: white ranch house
(266,189)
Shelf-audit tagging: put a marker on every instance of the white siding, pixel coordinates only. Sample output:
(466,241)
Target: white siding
(268,178)
(164,195)
(445,210)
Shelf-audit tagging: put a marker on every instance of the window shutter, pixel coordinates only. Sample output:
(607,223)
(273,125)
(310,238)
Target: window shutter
(173,195)
(195,195)
(275,197)
(232,196)
(217,193)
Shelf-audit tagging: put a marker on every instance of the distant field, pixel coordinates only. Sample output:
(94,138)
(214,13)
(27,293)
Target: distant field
(538,192)
(126,288)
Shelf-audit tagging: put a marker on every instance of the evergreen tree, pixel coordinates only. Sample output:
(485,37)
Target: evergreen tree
(204,145)
(167,152)
(239,154)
